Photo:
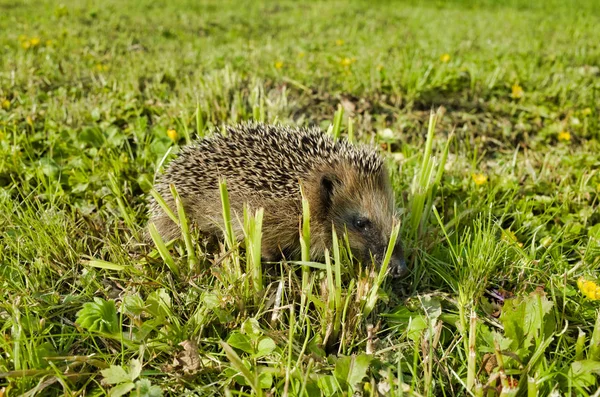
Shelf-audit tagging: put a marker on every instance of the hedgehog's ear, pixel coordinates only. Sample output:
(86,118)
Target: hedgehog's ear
(329,183)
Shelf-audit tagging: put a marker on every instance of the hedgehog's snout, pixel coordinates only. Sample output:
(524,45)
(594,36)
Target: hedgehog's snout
(398,267)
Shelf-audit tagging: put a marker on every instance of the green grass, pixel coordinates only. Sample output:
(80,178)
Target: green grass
(504,196)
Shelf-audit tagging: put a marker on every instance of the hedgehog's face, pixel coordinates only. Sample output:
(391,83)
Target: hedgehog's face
(364,208)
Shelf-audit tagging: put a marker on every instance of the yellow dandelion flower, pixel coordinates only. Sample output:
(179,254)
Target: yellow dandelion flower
(546,241)
(29,120)
(517,91)
(479,179)
(301,54)
(347,61)
(278,65)
(35,41)
(5,104)
(586,111)
(101,67)
(339,42)
(564,136)
(589,288)
(445,58)
(26,44)
(511,237)
(172,134)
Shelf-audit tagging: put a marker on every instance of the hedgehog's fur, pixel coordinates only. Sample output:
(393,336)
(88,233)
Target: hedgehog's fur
(264,166)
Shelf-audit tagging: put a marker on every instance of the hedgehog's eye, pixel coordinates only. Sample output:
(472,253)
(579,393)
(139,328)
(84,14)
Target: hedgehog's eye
(361,223)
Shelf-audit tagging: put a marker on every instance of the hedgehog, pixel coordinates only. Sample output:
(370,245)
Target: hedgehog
(270,166)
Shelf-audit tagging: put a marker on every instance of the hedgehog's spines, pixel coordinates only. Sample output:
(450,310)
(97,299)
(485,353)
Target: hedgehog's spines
(269,158)
(313,143)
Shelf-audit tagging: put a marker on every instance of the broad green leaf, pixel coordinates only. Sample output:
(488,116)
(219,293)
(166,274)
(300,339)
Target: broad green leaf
(432,307)
(115,374)
(135,369)
(351,370)
(121,389)
(251,327)
(524,318)
(133,305)
(328,385)
(594,232)
(210,300)
(358,370)
(144,388)
(584,372)
(240,341)
(511,318)
(159,303)
(99,316)
(538,306)
(265,380)
(265,346)
(417,325)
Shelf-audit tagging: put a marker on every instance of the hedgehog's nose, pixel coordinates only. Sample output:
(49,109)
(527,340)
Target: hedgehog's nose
(398,267)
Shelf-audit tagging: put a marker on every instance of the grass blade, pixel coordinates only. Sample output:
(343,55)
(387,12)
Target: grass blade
(185,229)
(162,249)
(100,264)
(238,364)
(337,122)
(253,237)
(373,293)
(305,248)
(228,227)
(164,206)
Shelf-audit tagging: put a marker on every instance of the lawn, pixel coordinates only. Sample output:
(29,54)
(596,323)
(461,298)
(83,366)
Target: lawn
(487,114)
